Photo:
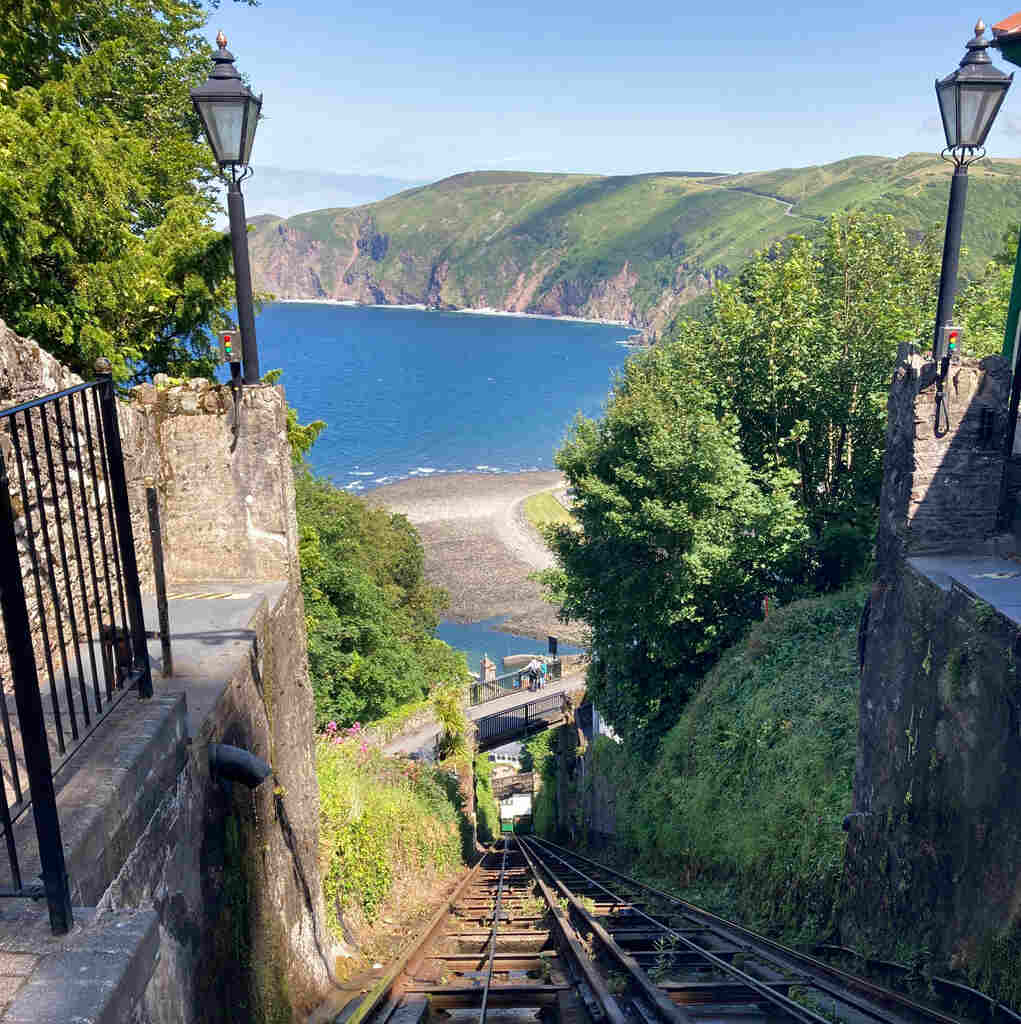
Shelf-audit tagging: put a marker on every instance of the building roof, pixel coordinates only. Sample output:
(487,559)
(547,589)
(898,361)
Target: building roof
(1008,26)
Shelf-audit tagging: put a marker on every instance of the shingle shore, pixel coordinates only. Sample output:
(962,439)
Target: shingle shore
(479,547)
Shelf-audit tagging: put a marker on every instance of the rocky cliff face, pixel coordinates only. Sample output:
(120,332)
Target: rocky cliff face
(291,264)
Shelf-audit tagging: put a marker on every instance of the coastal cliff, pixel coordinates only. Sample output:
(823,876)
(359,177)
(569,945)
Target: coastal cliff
(634,249)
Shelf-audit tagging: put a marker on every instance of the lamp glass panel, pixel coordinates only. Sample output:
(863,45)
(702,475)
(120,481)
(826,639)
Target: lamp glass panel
(947,96)
(252,106)
(978,104)
(224,121)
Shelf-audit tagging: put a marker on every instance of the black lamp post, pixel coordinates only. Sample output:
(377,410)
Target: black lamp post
(230,112)
(969,100)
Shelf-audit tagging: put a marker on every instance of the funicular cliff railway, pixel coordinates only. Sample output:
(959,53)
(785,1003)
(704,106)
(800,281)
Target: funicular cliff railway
(535,930)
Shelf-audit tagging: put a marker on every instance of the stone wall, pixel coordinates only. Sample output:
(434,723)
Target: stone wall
(941,484)
(227,503)
(934,847)
(232,872)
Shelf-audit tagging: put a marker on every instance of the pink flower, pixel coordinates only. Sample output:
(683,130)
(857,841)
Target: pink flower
(331,727)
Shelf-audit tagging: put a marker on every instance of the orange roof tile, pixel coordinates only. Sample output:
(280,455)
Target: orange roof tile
(1008,26)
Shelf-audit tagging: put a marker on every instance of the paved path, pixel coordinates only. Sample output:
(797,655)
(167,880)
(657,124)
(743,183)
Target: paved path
(424,741)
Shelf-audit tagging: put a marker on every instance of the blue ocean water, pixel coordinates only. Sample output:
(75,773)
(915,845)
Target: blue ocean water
(408,392)
(478,638)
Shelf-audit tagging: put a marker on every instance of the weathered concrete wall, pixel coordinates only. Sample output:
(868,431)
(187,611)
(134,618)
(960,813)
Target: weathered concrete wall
(941,484)
(934,847)
(232,872)
(227,505)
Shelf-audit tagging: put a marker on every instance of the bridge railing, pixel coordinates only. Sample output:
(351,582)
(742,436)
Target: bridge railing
(500,686)
(520,719)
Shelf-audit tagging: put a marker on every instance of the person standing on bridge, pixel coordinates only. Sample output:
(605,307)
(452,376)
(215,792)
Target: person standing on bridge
(542,673)
(533,674)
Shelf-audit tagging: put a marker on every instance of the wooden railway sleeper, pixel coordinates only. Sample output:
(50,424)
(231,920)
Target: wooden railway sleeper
(785,1003)
(601,1004)
(767,949)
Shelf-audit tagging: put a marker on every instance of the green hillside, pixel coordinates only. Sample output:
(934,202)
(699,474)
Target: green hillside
(634,248)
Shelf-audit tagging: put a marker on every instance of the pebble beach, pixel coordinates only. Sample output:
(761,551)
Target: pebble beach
(480,548)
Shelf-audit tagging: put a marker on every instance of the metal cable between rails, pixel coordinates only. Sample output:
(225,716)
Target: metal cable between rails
(780,954)
(492,937)
(779,1000)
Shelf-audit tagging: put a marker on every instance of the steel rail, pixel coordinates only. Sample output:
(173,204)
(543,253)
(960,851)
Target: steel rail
(492,936)
(763,989)
(728,929)
(611,1010)
(958,988)
(384,988)
(643,982)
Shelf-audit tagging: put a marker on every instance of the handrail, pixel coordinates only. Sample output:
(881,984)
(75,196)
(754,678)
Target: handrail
(519,718)
(492,689)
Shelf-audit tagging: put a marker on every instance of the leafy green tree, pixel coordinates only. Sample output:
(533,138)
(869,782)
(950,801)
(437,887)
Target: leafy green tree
(106,202)
(679,540)
(981,307)
(801,346)
(369,611)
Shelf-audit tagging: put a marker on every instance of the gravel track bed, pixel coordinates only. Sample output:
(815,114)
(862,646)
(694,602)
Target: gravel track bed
(479,547)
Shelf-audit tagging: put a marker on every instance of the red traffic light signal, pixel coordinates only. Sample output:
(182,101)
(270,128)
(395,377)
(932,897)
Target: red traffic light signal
(228,347)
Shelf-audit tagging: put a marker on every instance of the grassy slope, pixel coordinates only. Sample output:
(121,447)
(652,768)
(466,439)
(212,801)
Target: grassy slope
(491,232)
(743,806)
(544,510)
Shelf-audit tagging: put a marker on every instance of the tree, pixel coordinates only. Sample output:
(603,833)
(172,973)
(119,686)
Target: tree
(981,308)
(369,611)
(800,348)
(106,203)
(679,539)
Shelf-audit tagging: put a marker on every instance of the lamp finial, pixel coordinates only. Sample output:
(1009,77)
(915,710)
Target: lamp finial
(221,40)
(980,28)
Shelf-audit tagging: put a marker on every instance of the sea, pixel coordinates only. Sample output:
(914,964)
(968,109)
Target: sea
(410,392)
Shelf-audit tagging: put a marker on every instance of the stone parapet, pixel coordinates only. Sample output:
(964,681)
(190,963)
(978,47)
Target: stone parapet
(944,463)
(228,502)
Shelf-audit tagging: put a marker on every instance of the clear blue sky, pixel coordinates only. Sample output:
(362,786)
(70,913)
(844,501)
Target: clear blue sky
(419,91)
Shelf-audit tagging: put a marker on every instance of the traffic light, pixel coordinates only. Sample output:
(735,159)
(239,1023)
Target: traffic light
(949,344)
(230,346)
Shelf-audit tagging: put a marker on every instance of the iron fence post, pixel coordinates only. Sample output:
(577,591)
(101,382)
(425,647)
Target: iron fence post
(30,716)
(161,577)
(125,536)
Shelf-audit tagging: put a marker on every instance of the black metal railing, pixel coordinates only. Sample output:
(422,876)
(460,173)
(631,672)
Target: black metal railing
(499,686)
(71,605)
(519,720)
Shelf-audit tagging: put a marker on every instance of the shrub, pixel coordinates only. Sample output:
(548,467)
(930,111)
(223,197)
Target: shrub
(380,818)
(486,807)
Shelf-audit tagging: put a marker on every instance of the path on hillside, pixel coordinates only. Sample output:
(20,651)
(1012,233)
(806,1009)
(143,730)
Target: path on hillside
(786,203)
(479,547)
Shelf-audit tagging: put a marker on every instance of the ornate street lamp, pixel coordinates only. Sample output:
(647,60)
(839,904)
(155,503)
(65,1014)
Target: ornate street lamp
(230,112)
(969,99)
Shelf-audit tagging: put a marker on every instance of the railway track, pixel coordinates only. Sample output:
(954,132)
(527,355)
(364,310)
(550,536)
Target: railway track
(536,931)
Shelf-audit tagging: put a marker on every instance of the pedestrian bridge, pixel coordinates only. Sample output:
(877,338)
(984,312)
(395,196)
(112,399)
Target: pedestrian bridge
(519,721)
